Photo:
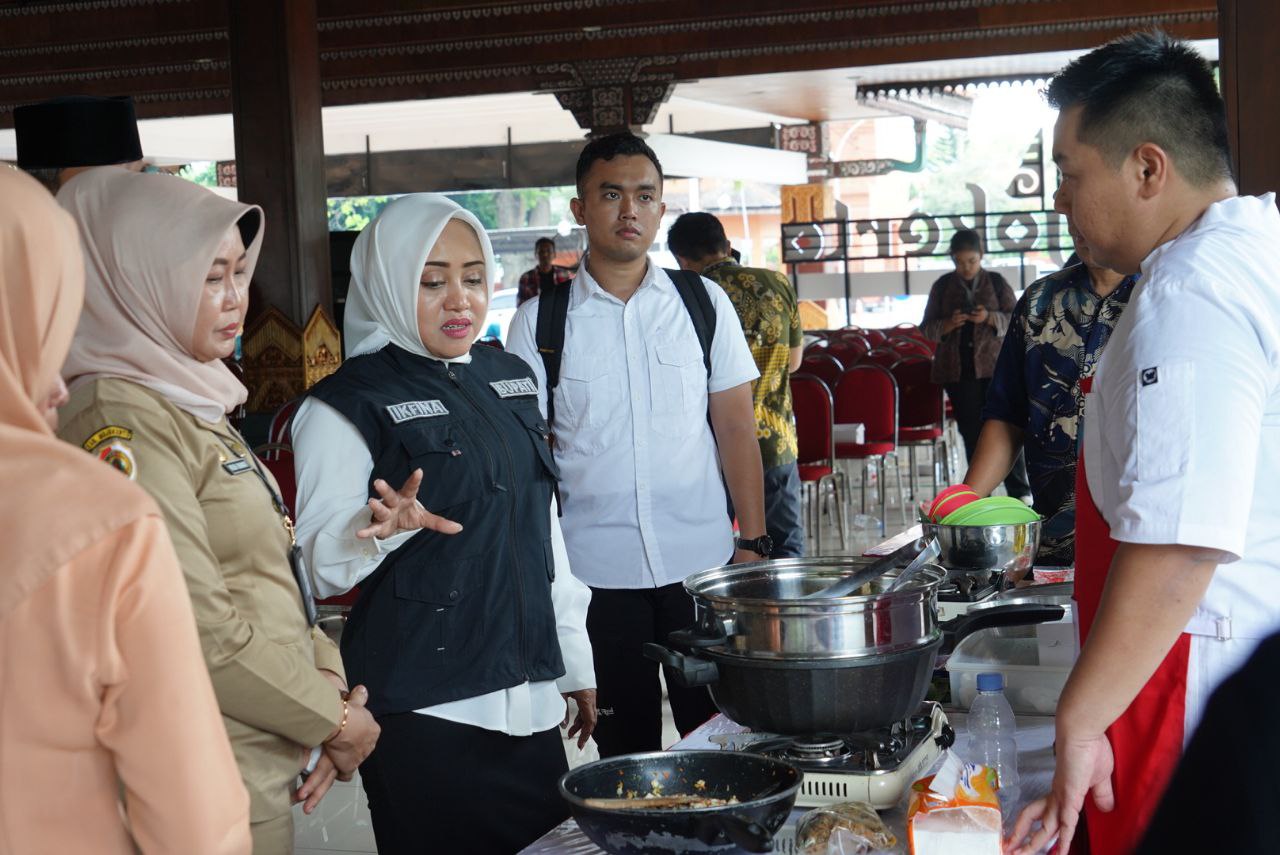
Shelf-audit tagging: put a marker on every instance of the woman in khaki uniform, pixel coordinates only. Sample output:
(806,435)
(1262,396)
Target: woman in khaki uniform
(167,267)
(110,739)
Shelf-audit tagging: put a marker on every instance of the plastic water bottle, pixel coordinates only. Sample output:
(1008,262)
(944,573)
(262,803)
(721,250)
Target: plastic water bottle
(991,734)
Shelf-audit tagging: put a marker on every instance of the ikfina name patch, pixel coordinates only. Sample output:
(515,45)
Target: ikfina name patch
(514,388)
(410,410)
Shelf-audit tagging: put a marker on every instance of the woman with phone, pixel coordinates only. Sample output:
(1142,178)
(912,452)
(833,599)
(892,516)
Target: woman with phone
(968,314)
(168,265)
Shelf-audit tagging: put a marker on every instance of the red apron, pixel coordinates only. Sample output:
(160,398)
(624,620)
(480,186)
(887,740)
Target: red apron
(1147,739)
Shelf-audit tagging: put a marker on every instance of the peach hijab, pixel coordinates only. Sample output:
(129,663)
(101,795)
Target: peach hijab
(60,500)
(148,242)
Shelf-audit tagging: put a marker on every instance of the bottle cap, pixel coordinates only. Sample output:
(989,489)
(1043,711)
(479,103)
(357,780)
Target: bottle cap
(991,682)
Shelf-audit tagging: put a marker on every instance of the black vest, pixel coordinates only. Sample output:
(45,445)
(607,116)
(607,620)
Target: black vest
(447,617)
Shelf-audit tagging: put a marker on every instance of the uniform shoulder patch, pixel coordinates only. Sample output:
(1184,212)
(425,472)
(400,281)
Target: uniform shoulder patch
(110,432)
(117,455)
(514,388)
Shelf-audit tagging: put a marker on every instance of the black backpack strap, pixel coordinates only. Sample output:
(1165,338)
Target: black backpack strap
(553,312)
(702,312)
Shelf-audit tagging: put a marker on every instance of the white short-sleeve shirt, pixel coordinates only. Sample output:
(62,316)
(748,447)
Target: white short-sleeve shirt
(644,502)
(1182,430)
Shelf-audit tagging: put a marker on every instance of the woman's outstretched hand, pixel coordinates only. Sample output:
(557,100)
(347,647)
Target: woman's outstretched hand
(399,510)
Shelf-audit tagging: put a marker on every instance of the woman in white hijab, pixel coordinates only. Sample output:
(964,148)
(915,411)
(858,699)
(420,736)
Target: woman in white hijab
(167,266)
(468,627)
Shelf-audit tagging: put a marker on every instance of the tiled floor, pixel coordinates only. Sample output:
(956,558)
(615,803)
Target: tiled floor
(341,823)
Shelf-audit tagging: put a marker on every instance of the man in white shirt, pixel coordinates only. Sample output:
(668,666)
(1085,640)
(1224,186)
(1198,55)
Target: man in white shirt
(641,488)
(1178,530)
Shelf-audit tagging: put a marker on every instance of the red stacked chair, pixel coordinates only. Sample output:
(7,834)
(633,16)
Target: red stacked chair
(849,349)
(814,409)
(867,394)
(824,367)
(876,337)
(921,417)
(909,346)
(277,456)
(886,357)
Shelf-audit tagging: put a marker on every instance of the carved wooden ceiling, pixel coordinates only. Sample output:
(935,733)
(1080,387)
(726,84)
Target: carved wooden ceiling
(608,61)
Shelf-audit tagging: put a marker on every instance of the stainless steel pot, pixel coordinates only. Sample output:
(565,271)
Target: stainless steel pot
(759,611)
(783,664)
(1010,549)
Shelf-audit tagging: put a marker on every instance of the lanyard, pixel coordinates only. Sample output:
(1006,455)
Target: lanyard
(277,500)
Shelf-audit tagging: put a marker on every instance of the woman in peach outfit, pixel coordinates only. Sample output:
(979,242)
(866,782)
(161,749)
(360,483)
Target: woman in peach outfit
(110,737)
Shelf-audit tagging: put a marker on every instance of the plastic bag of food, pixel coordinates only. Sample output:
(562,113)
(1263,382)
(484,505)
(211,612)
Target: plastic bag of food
(848,828)
(955,811)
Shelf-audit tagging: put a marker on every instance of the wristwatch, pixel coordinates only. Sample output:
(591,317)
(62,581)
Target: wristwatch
(762,545)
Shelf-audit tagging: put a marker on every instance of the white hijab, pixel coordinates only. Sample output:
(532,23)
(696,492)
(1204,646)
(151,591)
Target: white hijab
(386,267)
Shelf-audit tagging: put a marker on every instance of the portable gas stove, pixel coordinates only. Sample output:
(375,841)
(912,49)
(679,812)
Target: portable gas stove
(960,592)
(877,767)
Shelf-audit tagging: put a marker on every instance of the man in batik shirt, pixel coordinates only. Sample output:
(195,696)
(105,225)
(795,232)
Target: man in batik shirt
(1056,336)
(768,310)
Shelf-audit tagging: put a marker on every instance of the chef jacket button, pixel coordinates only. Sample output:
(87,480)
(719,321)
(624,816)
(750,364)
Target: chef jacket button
(453,595)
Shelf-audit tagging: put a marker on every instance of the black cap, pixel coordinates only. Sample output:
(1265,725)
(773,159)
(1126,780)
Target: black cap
(76,131)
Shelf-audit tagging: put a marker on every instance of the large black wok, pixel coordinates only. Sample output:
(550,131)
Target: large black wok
(765,788)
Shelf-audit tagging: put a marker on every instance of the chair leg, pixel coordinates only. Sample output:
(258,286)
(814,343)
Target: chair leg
(815,514)
(911,461)
(902,498)
(840,512)
(864,485)
(880,486)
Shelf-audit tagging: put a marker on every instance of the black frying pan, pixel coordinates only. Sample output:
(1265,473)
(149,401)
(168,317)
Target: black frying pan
(765,788)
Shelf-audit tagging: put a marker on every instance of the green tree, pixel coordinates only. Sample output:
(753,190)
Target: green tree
(202,172)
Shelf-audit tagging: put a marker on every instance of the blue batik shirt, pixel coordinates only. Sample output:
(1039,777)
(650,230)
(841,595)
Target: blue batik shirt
(1056,336)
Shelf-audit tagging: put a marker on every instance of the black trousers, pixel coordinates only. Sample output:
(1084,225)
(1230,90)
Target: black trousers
(436,786)
(968,397)
(629,695)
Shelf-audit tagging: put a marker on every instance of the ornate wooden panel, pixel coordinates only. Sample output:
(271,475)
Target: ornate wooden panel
(609,61)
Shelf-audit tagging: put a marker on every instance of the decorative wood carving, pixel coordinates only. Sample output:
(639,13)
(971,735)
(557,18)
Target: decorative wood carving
(273,361)
(321,348)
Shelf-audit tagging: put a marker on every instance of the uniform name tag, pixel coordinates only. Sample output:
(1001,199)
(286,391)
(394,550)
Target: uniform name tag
(514,388)
(410,410)
(235,467)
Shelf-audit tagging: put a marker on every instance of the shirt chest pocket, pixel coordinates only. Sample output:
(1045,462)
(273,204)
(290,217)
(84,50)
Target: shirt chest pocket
(1164,420)
(455,465)
(678,388)
(588,399)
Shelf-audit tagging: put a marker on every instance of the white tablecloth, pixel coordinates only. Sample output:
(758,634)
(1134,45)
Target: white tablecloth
(1035,767)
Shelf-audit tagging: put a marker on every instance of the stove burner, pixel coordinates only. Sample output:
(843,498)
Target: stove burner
(883,750)
(969,587)
(819,748)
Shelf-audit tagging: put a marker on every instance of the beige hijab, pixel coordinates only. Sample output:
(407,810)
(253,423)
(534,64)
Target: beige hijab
(148,242)
(58,500)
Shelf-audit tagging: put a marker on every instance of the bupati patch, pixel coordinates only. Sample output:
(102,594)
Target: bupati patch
(514,388)
(103,434)
(119,456)
(410,410)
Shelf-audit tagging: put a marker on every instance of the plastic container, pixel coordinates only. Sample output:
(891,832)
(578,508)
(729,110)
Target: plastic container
(991,734)
(1030,687)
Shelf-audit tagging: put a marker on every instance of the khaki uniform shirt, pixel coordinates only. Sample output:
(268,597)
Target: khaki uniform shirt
(233,548)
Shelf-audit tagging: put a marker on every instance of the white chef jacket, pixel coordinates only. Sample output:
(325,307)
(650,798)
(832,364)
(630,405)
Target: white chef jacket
(333,465)
(644,502)
(1182,430)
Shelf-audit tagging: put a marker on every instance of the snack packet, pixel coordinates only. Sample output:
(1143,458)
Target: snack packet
(955,812)
(848,828)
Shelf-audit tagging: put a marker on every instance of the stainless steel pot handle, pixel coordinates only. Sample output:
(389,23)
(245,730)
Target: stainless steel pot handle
(689,672)
(698,637)
(1020,614)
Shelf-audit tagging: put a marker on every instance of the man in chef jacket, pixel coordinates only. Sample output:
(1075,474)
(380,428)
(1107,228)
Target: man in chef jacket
(1178,522)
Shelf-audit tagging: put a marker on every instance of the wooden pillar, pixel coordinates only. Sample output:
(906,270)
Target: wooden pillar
(275,97)
(1248,31)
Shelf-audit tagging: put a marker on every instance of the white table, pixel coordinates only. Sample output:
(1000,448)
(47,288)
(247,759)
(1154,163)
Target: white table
(1035,767)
